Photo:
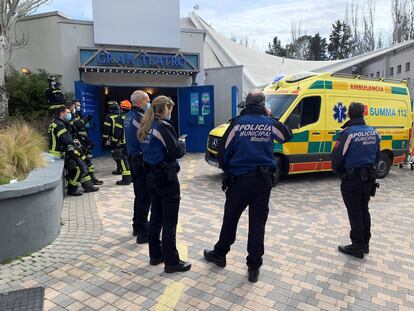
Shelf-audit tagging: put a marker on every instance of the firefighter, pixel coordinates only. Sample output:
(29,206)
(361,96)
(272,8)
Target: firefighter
(79,132)
(54,95)
(62,145)
(121,148)
(108,134)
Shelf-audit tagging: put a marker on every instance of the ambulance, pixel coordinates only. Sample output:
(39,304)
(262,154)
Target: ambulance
(315,106)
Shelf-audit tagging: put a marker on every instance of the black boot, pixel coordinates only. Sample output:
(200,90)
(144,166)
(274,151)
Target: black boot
(212,257)
(353,250)
(95,180)
(156,261)
(74,191)
(254,275)
(126,181)
(88,186)
(366,249)
(182,266)
(142,238)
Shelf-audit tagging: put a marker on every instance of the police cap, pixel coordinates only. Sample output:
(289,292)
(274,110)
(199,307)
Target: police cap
(356,110)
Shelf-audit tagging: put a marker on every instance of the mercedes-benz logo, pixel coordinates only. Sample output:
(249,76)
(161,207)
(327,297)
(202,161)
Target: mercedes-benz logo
(214,142)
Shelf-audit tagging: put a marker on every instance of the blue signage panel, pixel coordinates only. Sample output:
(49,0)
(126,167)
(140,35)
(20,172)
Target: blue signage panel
(90,58)
(90,96)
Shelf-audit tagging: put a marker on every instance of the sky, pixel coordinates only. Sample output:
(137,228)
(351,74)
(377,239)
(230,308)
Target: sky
(259,20)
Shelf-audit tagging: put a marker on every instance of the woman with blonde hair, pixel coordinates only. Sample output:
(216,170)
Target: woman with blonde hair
(162,148)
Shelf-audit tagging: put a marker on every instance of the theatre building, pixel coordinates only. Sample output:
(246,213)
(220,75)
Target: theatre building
(124,49)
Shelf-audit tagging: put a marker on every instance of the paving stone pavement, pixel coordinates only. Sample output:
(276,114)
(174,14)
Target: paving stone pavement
(95,263)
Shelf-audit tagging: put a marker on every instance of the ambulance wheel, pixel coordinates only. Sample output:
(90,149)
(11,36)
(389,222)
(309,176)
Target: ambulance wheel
(276,173)
(383,165)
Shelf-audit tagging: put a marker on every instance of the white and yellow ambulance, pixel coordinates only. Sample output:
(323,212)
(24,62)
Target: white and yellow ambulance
(315,106)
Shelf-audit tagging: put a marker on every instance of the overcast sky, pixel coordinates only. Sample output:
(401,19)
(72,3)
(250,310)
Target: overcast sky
(260,20)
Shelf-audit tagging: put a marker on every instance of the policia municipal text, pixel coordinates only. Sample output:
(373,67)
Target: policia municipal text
(246,157)
(355,156)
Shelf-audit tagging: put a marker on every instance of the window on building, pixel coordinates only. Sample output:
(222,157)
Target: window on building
(372,75)
(309,110)
(391,71)
(378,74)
(407,66)
(398,69)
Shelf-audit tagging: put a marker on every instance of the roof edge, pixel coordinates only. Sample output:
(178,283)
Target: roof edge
(43,15)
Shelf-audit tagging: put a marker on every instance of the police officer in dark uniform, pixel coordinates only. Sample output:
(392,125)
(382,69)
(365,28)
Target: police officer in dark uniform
(247,159)
(354,157)
(162,148)
(54,95)
(132,124)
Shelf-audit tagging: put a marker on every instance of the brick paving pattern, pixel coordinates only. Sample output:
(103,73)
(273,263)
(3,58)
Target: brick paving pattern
(95,263)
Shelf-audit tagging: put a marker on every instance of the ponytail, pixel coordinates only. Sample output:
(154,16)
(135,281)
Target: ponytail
(146,124)
(157,110)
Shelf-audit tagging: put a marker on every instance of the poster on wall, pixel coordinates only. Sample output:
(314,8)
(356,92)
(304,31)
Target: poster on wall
(205,109)
(195,105)
(201,120)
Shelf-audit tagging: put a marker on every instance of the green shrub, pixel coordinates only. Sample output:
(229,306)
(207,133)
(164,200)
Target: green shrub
(21,148)
(26,94)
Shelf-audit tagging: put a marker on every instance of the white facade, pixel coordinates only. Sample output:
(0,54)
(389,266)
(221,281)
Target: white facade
(143,23)
(53,42)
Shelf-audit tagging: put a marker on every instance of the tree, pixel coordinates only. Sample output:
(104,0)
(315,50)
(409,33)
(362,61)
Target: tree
(340,45)
(10,12)
(317,48)
(276,48)
(403,20)
(362,24)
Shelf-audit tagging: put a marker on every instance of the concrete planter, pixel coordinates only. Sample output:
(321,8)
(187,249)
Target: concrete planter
(30,211)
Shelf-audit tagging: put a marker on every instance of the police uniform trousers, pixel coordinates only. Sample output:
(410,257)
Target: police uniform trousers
(356,195)
(253,190)
(142,201)
(165,202)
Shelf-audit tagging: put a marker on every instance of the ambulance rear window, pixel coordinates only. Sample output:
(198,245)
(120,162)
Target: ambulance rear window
(279,103)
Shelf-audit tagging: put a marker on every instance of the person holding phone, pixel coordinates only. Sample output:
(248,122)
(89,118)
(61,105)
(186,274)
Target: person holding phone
(162,148)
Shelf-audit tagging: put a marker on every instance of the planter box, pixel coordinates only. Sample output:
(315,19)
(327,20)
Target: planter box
(30,211)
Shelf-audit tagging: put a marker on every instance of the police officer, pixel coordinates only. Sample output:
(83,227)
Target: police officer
(54,95)
(142,202)
(162,148)
(61,145)
(121,148)
(355,156)
(108,134)
(246,157)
